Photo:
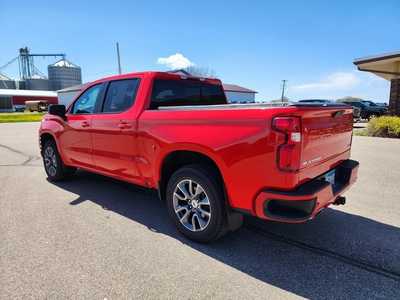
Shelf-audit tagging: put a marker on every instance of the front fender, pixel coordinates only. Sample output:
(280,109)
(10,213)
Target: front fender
(53,126)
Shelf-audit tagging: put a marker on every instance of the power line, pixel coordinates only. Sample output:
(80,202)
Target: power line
(9,63)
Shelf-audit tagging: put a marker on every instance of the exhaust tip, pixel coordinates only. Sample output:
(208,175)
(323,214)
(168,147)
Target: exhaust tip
(341,200)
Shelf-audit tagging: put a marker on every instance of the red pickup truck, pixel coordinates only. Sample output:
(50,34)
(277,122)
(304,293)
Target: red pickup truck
(211,162)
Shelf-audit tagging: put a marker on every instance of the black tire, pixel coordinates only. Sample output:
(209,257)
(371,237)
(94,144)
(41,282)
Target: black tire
(53,165)
(208,180)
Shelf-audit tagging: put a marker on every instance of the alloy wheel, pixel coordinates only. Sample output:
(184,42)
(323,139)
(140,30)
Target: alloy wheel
(192,205)
(50,161)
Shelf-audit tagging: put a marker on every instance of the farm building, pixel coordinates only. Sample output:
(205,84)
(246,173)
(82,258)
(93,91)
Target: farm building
(9,98)
(65,96)
(238,94)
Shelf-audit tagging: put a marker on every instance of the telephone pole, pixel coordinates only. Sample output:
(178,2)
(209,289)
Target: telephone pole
(119,60)
(283,89)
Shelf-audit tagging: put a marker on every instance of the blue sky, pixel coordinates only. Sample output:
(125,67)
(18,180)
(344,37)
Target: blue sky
(255,44)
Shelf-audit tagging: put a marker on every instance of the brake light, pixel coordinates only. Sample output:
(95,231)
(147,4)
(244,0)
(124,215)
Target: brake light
(289,153)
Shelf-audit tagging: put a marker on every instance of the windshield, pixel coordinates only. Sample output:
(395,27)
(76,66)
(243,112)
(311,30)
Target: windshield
(369,103)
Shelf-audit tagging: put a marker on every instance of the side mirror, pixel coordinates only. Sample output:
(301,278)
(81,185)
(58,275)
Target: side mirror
(57,110)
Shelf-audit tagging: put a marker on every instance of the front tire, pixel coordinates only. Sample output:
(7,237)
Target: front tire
(53,165)
(196,203)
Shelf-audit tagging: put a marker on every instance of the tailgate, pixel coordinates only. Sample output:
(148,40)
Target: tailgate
(327,133)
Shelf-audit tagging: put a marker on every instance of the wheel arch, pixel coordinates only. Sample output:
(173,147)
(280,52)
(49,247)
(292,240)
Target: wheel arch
(177,159)
(44,138)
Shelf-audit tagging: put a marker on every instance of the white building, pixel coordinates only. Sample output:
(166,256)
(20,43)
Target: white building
(65,96)
(238,94)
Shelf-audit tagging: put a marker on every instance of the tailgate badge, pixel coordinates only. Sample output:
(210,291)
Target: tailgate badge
(311,161)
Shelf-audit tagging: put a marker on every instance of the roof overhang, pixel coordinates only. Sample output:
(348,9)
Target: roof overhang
(386,65)
(33,93)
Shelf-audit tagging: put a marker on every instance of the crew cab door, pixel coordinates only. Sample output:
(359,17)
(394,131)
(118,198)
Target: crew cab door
(76,139)
(114,131)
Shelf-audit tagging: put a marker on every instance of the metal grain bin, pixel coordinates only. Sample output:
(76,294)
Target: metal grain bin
(7,84)
(40,84)
(6,104)
(63,74)
(20,84)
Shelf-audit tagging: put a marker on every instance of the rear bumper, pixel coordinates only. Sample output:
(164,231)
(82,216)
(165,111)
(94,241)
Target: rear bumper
(306,201)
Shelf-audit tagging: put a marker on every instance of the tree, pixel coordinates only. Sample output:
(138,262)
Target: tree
(349,98)
(201,71)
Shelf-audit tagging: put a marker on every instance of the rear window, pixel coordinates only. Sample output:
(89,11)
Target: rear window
(185,92)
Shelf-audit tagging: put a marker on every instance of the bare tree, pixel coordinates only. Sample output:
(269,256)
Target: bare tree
(201,71)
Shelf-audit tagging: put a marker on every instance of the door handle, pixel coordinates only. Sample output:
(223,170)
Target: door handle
(124,125)
(85,124)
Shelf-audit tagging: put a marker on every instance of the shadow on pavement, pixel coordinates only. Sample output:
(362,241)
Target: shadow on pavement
(299,271)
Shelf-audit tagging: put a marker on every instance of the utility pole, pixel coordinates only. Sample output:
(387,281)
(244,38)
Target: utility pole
(119,60)
(283,89)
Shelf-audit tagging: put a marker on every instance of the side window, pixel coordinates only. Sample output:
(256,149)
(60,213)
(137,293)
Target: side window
(120,95)
(86,103)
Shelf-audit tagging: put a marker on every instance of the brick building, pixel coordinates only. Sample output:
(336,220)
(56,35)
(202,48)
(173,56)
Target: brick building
(386,66)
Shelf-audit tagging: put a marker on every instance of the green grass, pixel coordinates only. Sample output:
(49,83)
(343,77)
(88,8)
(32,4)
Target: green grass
(20,117)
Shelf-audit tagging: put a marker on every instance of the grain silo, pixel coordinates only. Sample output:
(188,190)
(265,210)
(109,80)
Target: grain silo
(63,74)
(6,83)
(37,83)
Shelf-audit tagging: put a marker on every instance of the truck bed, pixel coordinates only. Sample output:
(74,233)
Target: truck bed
(250,106)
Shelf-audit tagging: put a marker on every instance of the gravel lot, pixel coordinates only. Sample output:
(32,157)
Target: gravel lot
(93,237)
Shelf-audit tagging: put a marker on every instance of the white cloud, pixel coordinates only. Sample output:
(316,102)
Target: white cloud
(335,81)
(341,84)
(175,61)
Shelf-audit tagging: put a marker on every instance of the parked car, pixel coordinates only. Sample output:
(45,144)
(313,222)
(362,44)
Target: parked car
(19,108)
(368,108)
(211,162)
(37,105)
(356,110)
(317,101)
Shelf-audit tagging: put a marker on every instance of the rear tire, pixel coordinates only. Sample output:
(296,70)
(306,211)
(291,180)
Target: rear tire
(53,165)
(196,203)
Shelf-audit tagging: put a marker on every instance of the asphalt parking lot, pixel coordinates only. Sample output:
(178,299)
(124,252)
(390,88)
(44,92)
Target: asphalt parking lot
(93,237)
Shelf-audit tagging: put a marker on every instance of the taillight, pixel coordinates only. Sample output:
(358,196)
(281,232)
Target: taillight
(289,153)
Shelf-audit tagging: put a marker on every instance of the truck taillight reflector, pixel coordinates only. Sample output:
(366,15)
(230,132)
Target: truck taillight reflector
(289,153)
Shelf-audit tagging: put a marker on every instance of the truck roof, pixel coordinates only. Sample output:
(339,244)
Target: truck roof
(156,74)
